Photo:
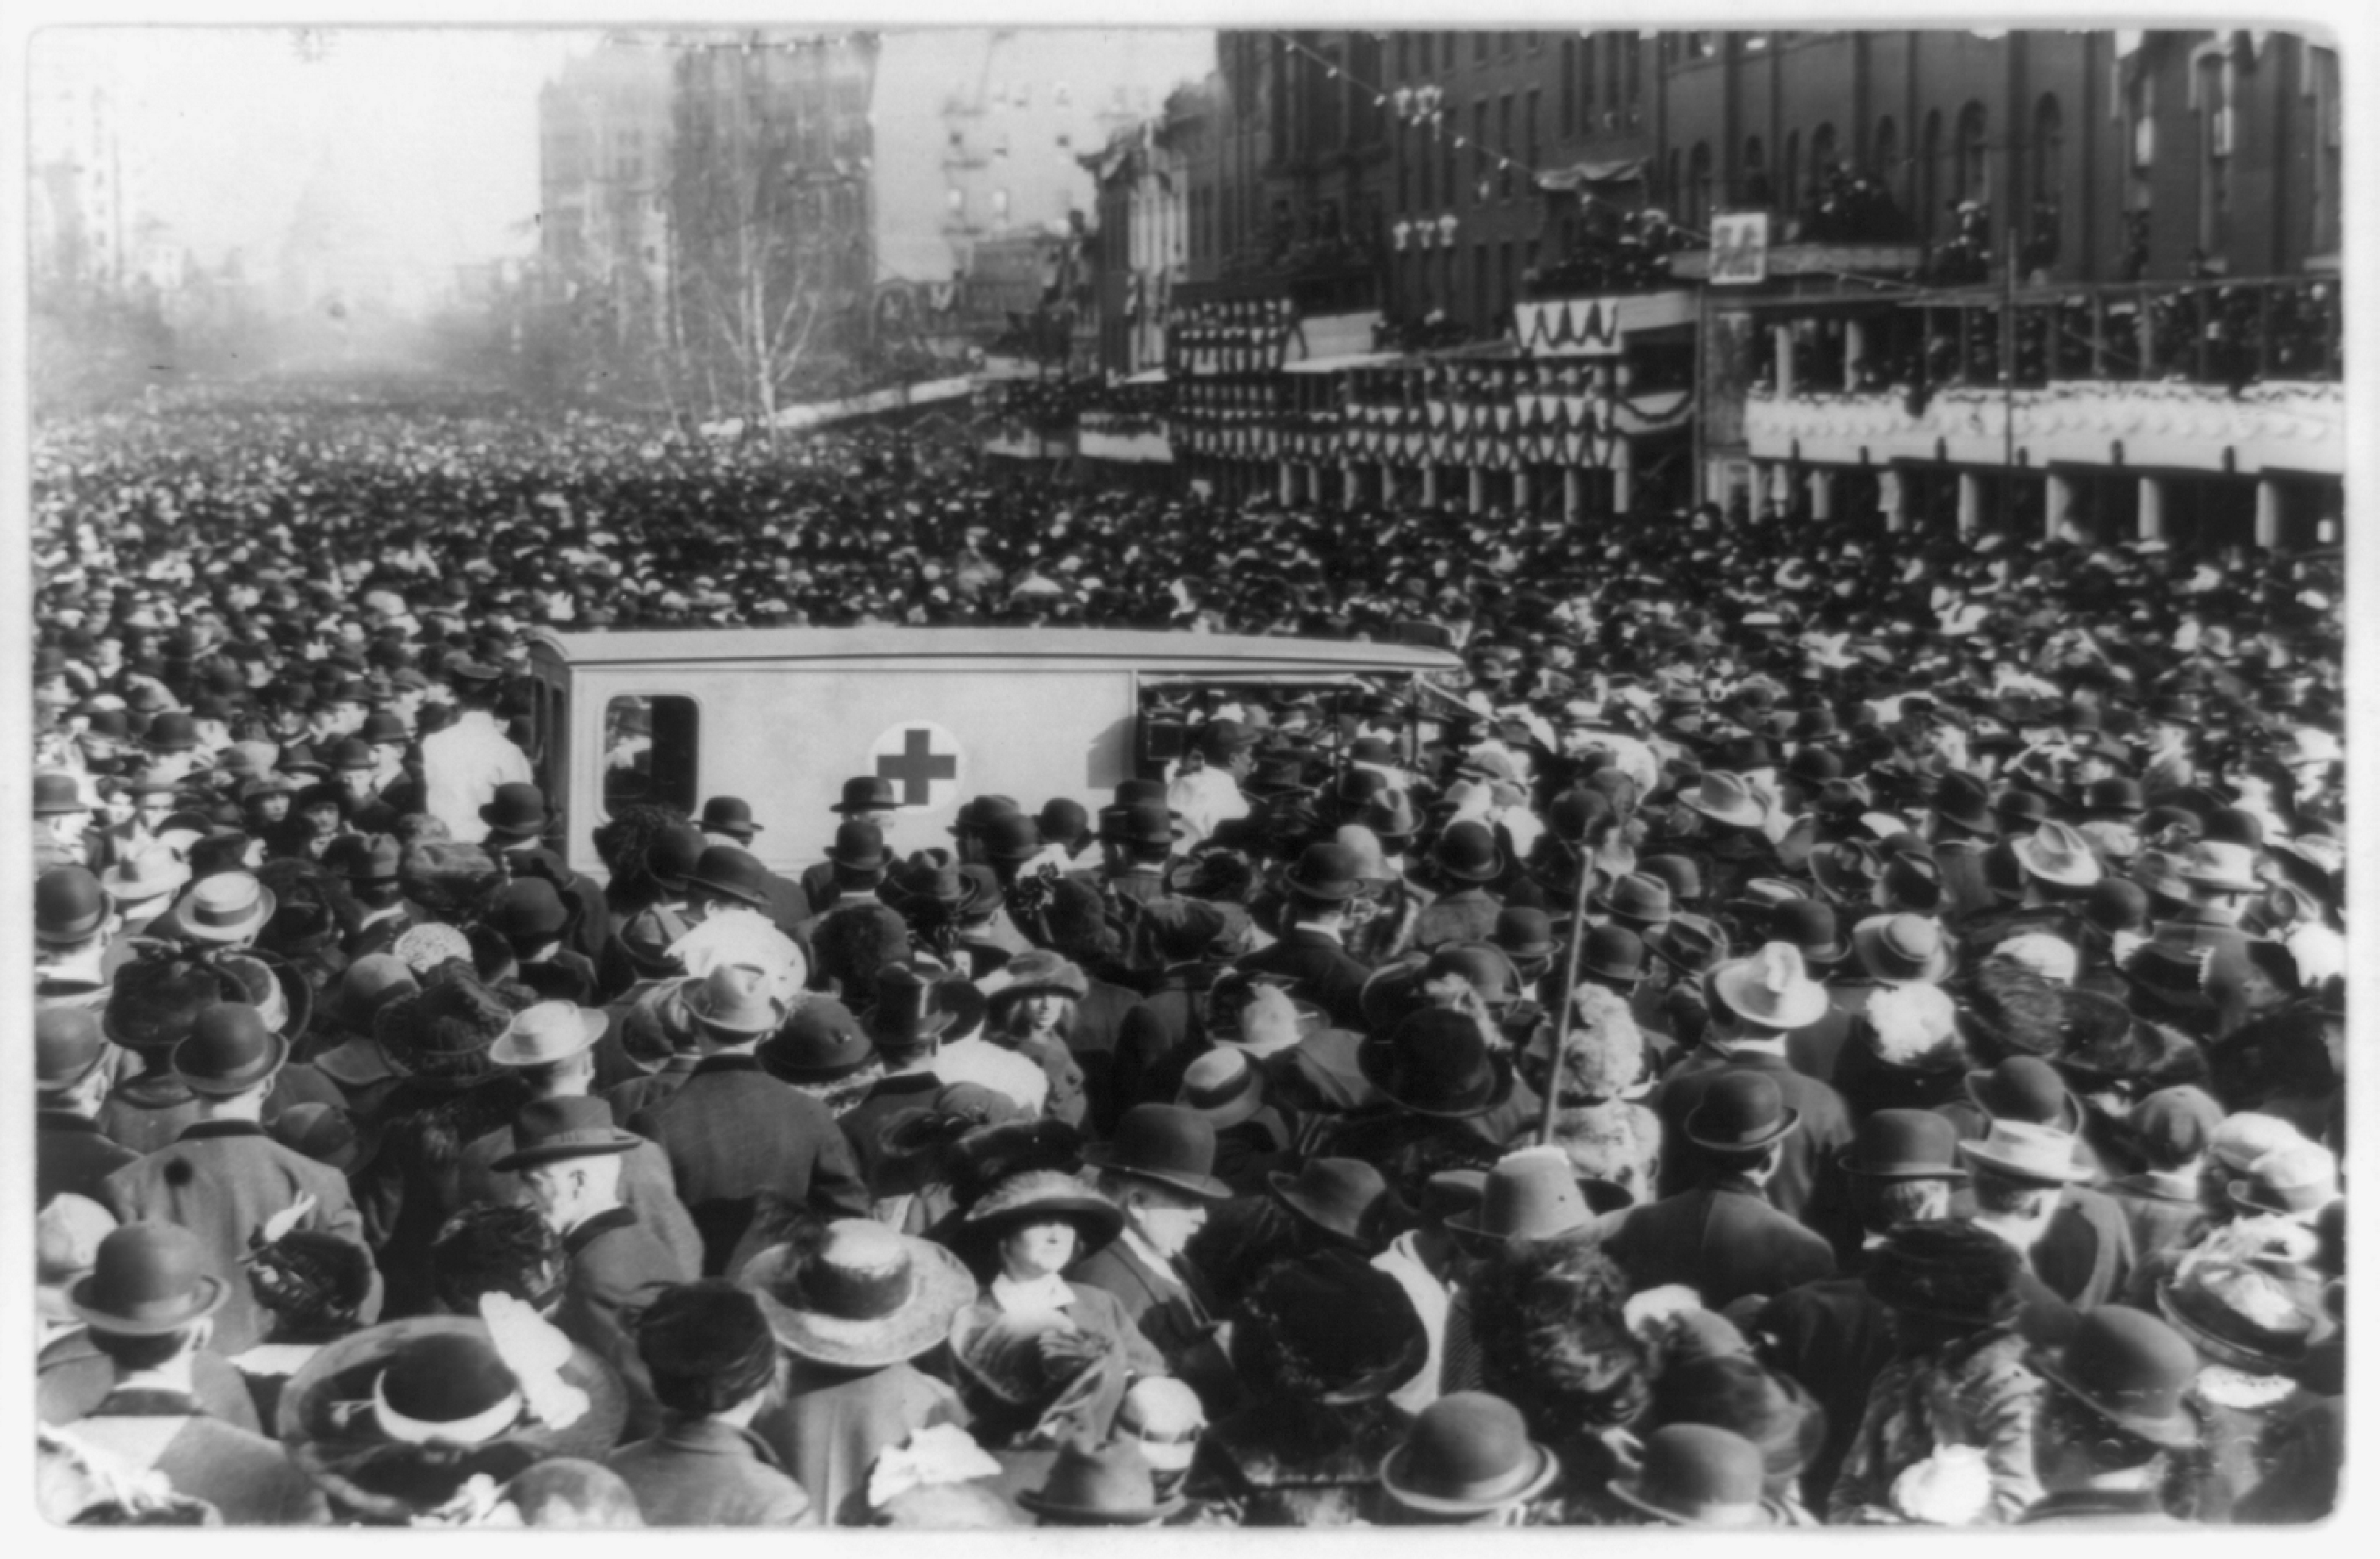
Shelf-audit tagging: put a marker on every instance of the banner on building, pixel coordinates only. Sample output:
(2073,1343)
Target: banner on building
(1739,249)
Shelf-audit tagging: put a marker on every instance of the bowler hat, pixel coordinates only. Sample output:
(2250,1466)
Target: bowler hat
(820,1042)
(230,1050)
(1903,1145)
(2115,797)
(1901,949)
(2027,1152)
(1809,925)
(1338,1196)
(866,793)
(1010,837)
(729,873)
(68,1043)
(148,1279)
(859,845)
(365,858)
(1436,1062)
(527,912)
(1165,1143)
(1526,935)
(1962,800)
(518,811)
(224,908)
(2025,1088)
(2131,1370)
(1532,1193)
(903,1013)
(1637,897)
(1467,1453)
(383,728)
(1140,823)
(1467,851)
(1110,1485)
(546,1033)
(549,1130)
(730,815)
(1697,1475)
(69,904)
(172,731)
(1739,1113)
(1689,944)
(57,795)
(1326,871)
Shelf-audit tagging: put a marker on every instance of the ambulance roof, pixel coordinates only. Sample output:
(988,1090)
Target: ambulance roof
(1139,650)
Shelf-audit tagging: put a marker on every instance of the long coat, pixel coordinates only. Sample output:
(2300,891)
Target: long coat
(1328,975)
(646,1190)
(1810,1149)
(1170,1309)
(700,1472)
(834,1423)
(249,1478)
(731,1133)
(1723,1239)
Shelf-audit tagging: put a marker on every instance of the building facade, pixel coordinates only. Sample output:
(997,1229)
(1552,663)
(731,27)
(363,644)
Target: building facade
(603,238)
(2030,279)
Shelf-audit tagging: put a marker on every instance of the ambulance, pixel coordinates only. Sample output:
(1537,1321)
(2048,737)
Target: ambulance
(782,717)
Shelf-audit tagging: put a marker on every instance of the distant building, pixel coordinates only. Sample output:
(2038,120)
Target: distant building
(83,204)
(603,140)
(1143,240)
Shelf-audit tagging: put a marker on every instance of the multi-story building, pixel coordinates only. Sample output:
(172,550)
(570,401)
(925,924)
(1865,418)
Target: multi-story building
(83,191)
(1143,232)
(603,243)
(2044,279)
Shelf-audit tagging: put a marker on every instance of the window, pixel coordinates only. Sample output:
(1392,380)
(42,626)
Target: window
(1887,159)
(1479,48)
(1569,87)
(1587,50)
(1822,159)
(1504,145)
(1755,190)
(1422,52)
(2214,83)
(1973,177)
(1479,135)
(1929,175)
(2323,89)
(1532,152)
(1631,48)
(1789,175)
(650,746)
(2048,176)
(1699,187)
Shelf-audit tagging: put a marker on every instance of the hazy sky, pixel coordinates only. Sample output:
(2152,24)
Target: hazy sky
(434,133)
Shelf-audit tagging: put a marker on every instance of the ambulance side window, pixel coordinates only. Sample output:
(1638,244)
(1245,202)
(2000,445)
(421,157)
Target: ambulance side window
(651,742)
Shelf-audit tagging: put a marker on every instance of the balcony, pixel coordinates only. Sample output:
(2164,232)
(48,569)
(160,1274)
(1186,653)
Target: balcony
(1597,327)
(1814,259)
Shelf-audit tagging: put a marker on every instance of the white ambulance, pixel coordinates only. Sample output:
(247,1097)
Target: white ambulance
(782,717)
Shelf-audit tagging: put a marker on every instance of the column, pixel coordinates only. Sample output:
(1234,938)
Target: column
(1574,494)
(2268,514)
(1854,347)
(2057,507)
(1429,483)
(1822,495)
(1623,477)
(1893,498)
(1520,494)
(1971,502)
(1391,490)
(1288,483)
(2151,509)
(1475,498)
(1783,335)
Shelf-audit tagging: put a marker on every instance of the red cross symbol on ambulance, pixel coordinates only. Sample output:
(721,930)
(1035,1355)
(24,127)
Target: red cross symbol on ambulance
(923,759)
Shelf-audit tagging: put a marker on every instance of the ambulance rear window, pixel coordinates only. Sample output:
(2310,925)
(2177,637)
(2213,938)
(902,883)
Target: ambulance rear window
(651,742)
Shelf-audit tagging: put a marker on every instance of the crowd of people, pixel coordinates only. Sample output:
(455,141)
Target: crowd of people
(1812,1026)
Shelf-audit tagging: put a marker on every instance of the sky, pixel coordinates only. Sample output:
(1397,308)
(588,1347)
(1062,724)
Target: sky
(434,133)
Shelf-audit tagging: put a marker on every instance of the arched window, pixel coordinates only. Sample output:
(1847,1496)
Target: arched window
(2045,224)
(1887,159)
(1699,186)
(1788,175)
(1822,157)
(2215,92)
(1929,178)
(1753,186)
(1974,177)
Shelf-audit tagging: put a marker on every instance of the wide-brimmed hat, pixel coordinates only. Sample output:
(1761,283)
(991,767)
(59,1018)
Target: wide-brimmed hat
(1467,1453)
(1436,1062)
(1040,1196)
(1040,970)
(1848,872)
(1902,949)
(2056,853)
(1903,1145)
(1225,1085)
(2027,1152)
(1739,1113)
(1698,1475)
(1531,1194)
(1724,797)
(734,1001)
(820,1042)
(1110,1485)
(231,1049)
(1338,1196)
(1949,1269)
(547,1032)
(1771,988)
(2131,1369)
(2296,1180)
(866,793)
(2221,865)
(393,1421)
(1165,1143)
(148,1279)
(549,1130)
(729,872)
(1637,897)
(903,1012)
(2238,1314)
(225,907)
(145,876)
(1689,944)
(1327,1328)
(859,1295)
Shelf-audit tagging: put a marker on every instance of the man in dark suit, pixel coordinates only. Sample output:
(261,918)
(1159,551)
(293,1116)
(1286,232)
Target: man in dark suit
(1322,881)
(569,1156)
(69,1153)
(734,1133)
(150,1303)
(1160,1169)
(1766,996)
(1723,1239)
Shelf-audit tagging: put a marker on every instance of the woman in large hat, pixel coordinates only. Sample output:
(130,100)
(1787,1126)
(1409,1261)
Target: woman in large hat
(855,1303)
(1031,1011)
(1447,1100)
(1020,1236)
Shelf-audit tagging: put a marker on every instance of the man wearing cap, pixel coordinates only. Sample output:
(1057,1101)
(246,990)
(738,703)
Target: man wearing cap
(224,1178)
(75,927)
(516,821)
(1159,1168)
(551,1047)
(1209,793)
(1321,885)
(733,1133)
(1723,1239)
(71,1077)
(463,765)
(2113,1419)
(150,1303)
(568,1155)
(2164,1202)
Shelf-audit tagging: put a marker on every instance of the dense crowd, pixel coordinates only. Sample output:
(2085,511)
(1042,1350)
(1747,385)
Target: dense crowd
(1812,1026)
